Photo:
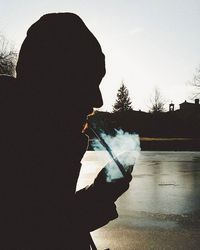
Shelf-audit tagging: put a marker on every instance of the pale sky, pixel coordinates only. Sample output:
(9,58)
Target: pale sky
(147,43)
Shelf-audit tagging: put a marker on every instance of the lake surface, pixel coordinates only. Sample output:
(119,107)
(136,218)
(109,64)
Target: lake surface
(163,202)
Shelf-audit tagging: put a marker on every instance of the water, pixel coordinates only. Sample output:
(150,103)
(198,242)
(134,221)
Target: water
(164,197)
(163,182)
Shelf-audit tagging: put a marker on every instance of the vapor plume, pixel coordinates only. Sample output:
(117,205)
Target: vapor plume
(125,146)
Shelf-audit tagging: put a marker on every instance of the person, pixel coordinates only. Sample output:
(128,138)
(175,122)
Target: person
(43,114)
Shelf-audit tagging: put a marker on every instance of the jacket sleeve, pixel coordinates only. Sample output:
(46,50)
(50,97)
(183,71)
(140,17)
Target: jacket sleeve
(93,212)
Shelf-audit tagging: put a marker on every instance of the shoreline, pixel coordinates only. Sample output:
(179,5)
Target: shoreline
(169,144)
(165,144)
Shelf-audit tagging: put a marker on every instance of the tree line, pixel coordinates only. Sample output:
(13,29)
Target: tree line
(123,101)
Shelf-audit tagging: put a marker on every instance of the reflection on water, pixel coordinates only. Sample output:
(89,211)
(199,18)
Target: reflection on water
(163,183)
(161,210)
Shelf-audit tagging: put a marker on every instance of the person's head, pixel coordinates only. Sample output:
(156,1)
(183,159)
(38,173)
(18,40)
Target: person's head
(61,60)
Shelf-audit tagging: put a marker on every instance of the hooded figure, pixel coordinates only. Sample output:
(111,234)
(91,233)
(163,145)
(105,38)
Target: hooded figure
(43,112)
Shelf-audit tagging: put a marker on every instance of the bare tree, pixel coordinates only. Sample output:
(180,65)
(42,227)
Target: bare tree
(123,101)
(157,102)
(8,57)
(196,83)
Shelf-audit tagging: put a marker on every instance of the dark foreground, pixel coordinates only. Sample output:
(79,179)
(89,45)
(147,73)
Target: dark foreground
(161,210)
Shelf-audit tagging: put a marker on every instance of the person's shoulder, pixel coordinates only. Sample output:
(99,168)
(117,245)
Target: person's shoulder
(7,80)
(7,86)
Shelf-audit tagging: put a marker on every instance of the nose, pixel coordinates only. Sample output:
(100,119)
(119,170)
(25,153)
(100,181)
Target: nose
(97,101)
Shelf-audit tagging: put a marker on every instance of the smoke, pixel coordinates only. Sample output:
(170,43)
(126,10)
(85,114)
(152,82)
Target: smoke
(125,146)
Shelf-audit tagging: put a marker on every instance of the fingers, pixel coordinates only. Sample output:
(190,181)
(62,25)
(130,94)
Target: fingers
(110,190)
(128,177)
(124,180)
(130,169)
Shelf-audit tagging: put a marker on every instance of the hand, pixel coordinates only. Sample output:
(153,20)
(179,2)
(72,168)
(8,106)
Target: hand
(110,190)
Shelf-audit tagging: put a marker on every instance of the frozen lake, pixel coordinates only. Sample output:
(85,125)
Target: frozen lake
(163,202)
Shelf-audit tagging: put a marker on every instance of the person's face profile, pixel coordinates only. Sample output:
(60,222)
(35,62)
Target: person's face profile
(89,96)
(92,90)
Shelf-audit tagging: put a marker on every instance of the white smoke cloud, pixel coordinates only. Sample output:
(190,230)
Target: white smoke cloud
(124,146)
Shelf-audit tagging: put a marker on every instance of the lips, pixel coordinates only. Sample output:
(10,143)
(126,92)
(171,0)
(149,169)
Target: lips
(90,111)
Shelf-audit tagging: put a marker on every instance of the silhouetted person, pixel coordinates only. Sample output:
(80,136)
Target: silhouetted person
(43,112)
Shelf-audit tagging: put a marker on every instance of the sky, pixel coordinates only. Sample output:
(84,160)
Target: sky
(148,44)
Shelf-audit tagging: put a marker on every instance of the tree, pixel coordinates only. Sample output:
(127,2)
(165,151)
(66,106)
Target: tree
(196,82)
(123,101)
(157,102)
(8,57)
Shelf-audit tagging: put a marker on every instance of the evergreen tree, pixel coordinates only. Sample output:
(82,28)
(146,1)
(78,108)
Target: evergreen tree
(123,101)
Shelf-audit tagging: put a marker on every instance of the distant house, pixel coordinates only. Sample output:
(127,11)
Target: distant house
(190,107)
(187,107)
